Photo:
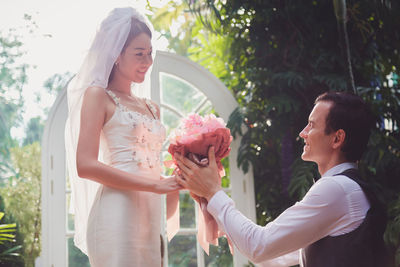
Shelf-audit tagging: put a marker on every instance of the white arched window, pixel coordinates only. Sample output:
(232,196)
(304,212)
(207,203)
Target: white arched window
(180,87)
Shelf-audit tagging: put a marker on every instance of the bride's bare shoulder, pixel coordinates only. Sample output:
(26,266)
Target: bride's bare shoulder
(96,94)
(96,98)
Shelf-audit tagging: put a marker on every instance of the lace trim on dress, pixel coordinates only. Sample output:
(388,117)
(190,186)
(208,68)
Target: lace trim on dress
(127,110)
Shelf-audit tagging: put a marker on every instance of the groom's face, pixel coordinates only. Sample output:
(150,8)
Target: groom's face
(317,144)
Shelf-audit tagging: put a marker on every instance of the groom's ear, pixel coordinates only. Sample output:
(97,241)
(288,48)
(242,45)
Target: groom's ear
(339,138)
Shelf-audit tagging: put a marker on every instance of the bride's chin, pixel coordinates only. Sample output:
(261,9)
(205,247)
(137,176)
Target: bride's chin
(138,80)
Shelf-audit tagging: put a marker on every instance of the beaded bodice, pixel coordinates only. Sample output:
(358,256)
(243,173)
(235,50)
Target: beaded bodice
(132,138)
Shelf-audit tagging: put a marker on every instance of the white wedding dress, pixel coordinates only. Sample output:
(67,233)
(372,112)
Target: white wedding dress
(124,226)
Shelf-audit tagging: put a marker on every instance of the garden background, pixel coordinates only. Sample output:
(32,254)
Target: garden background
(275,57)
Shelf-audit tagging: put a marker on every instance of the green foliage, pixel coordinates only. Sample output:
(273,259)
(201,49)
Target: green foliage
(12,79)
(33,131)
(12,75)
(182,251)
(57,82)
(22,198)
(220,255)
(6,231)
(393,229)
(186,210)
(75,256)
(7,235)
(303,177)
(10,250)
(162,19)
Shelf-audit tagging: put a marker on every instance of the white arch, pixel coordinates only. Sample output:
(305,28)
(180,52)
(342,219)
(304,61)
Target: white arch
(197,75)
(53,185)
(53,155)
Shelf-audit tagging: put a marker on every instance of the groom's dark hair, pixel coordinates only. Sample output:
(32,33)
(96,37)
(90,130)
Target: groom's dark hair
(351,114)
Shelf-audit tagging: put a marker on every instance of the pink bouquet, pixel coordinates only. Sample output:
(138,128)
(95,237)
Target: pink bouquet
(196,134)
(192,139)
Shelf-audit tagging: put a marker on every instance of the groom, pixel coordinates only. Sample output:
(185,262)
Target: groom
(339,222)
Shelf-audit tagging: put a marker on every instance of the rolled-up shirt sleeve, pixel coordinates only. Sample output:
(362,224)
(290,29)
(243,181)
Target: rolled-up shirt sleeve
(307,221)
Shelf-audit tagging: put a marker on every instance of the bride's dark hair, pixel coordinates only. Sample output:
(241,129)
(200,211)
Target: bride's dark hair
(137,27)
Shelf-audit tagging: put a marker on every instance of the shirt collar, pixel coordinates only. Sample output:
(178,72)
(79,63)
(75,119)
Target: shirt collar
(340,168)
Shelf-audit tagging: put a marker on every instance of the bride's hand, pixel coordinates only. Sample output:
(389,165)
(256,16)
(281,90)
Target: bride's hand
(167,185)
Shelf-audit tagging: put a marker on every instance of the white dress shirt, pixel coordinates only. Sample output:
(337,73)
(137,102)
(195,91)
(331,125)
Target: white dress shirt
(333,206)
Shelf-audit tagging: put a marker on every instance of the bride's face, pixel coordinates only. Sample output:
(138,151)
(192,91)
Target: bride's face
(136,59)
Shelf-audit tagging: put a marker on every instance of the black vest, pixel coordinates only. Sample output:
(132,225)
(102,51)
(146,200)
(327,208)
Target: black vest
(362,247)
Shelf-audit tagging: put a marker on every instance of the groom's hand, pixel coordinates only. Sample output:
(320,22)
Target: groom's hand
(202,181)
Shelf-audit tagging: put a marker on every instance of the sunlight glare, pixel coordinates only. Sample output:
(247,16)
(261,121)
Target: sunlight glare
(58,44)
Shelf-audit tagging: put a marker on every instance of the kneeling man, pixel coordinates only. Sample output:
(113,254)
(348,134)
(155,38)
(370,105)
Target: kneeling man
(338,223)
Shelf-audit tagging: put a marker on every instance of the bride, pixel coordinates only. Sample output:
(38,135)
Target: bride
(113,143)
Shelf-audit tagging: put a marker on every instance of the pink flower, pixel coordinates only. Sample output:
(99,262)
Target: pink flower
(196,134)
(192,127)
